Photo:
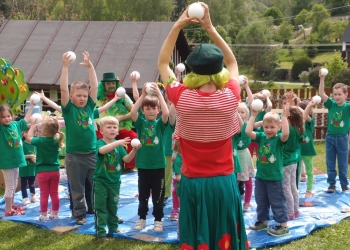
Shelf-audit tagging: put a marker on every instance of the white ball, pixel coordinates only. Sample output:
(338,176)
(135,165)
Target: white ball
(181,67)
(257,105)
(196,10)
(241,79)
(265,92)
(324,71)
(72,55)
(136,74)
(121,91)
(135,142)
(149,88)
(35,98)
(316,99)
(38,117)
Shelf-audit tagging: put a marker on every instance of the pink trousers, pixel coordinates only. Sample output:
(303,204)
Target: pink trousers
(48,184)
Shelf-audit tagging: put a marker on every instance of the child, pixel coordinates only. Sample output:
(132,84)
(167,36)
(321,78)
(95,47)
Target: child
(78,113)
(337,139)
(27,173)
(12,157)
(106,185)
(269,176)
(176,184)
(291,156)
(48,163)
(150,159)
(307,148)
(245,159)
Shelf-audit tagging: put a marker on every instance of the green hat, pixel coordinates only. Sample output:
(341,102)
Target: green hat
(109,77)
(206,59)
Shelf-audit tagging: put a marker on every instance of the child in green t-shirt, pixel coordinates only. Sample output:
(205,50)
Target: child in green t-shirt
(337,139)
(106,186)
(78,112)
(269,176)
(28,173)
(150,159)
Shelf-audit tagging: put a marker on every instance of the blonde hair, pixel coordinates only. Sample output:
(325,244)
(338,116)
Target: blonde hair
(176,147)
(194,81)
(51,128)
(272,117)
(79,85)
(341,86)
(245,107)
(108,120)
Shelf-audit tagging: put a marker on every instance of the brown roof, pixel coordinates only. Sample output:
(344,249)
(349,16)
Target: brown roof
(36,47)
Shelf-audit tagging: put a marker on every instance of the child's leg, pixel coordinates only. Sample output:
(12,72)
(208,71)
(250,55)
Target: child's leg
(330,159)
(144,187)
(308,160)
(294,190)
(342,154)
(112,208)
(158,187)
(53,185)
(287,178)
(168,176)
(11,180)
(262,201)
(31,184)
(88,191)
(99,202)
(278,202)
(44,185)
(248,191)
(24,181)
(176,199)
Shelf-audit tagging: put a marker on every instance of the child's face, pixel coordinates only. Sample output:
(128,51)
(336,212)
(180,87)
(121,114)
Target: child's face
(6,118)
(339,96)
(271,128)
(150,113)
(109,131)
(243,113)
(79,97)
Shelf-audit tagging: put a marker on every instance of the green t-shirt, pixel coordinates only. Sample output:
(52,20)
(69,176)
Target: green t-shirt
(291,151)
(177,164)
(338,117)
(47,156)
(30,169)
(168,139)
(109,166)
(236,162)
(150,133)
(80,129)
(308,147)
(242,139)
(259,118)
(11,148)
(269,159)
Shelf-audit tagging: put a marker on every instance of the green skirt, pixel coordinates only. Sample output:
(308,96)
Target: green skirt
(211,214)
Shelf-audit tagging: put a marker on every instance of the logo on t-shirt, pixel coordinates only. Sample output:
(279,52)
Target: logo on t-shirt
(148,136)
(263,154)
(110,162)
(336,119)
(13,139)
(83,119)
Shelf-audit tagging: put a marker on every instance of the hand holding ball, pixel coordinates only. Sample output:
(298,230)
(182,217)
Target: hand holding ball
(38,117)
(135,142)
(196,10)
(136,74)
(265,92)
(257,105)
(35,99)
(181,67)
(72,55)
(316,99)
(324,71)
(241,79)
(149,89)
(121,91)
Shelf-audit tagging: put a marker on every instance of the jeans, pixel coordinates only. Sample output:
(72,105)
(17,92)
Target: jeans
(337,146)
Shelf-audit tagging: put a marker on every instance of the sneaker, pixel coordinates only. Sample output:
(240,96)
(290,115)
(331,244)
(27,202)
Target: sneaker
(140,224)
(18,208)
(158,226)
(53,216)
(246,208)
(296,214)
(344,188)
(81,220)
(278,231)
(90,211)
(174,215)
(43,217)
(259,226)
(308,194)
(331,189)
(33,199)
(303,178)
(120,221)
(26,201)
(11,213)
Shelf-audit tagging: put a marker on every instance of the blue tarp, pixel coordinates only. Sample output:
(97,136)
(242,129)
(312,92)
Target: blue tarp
(325,213)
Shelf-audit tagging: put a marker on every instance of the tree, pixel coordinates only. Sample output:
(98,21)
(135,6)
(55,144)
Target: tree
(299,5)
(300,65)
(276,15)
(179,8)
(301,17)
(338,29)
(334,65)
(325,31)
(285,31)
(316,16)
(336,5)
(223,33)
(343,77)
(5,9)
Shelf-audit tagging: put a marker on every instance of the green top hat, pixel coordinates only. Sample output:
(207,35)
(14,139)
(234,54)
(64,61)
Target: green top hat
(109,77)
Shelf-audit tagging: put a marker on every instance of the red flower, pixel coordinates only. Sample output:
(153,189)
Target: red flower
(184,246)
(203,246)
(12,90)
(225,242)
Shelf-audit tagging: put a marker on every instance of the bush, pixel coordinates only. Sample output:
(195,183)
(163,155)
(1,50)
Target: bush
(343,77)
(311,51)
(279,74)
(314,79)
(300,65)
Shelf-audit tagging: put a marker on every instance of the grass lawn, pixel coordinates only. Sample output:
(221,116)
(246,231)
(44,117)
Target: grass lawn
(23,236)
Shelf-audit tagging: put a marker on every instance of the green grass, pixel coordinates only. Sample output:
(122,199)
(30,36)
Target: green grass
(23,236)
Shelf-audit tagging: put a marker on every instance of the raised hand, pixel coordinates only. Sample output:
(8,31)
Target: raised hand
(86,62)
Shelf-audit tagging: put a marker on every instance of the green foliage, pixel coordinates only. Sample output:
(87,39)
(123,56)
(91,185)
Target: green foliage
(334,65)
(325,31)
(299,5)
(311,51)
(285,31)
(304,76)
(338,29)
(275,13)
(300,65)
(314,78)
(279,74)
(343,77)
(179,7)
(285,41)
(5,9)
(316,16)
(301,17)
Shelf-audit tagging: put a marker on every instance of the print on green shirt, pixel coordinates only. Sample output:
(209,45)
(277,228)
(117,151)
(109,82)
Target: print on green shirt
(83,119)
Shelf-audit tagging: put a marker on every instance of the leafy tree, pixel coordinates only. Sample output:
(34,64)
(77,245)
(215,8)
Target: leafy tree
(300,65)
(325,31)
(179,8)
(219,11)
(316,16)
(5,8)
(334,65)
(285,31)
(314,78)
(336,5)
(338,29)
(299,5)
(301,17)
(223,33)
(343,77)
(284,6)
(276,14)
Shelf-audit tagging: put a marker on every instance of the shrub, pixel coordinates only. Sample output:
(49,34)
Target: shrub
(343,77)
(314,79)
(300,65)
(279,74)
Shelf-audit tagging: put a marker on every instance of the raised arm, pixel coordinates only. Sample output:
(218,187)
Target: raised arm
(92,76)
(64,80)
(306,116)
(163,106)
(285,123)
(49,102)
(29,112)
(135,91)
(321,87)
(250,97)
(172,112)
(137,105)
(250,125)
(30,133)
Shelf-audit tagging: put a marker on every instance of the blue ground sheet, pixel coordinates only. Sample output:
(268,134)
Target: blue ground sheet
(326,212)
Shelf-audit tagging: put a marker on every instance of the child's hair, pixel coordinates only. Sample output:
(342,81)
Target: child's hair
(272,117)
(108,120)
(295,119)
(245,107)
(194,81)
(176,147)
(261,97)
(51,127)
(150,101)
(295,97)
(79,85)
(35,132)
(303,104)
(341,86)
(4,108)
